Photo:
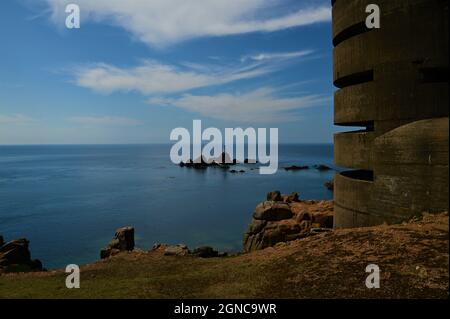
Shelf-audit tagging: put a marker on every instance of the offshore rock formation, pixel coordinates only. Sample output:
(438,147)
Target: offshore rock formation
(15,257)
(393,83)
(322,167)
(319,167)
(329,185)
(223,161)
(296,168)
(123,241)
(285,218)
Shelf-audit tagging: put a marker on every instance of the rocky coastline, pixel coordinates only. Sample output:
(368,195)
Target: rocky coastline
(280,218)
(283,218)
(413,256)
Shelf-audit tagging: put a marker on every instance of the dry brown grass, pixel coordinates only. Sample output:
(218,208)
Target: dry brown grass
(413,258)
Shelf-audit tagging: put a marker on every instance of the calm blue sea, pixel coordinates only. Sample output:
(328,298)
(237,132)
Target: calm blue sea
(68,200)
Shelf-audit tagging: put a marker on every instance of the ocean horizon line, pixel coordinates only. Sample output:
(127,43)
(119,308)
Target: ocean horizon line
(140,144)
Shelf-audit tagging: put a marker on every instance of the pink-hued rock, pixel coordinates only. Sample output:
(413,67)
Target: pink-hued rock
(275,222)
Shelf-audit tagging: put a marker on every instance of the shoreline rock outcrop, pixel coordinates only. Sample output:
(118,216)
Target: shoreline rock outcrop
(277,197)
(205,252)
(176,250)
(15,257)
(278,220)
(272,211)
(123,241)
(183,250)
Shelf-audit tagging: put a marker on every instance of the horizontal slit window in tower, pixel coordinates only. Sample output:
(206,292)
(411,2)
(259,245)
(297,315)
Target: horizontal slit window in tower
(360,174)
(354,79)
(350,32)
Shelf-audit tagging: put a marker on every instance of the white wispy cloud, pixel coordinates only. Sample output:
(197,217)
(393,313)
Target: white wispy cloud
(261,105)
(164,22)
(161,81)
(105,120)
(276,55)
(152,77)
(15,119)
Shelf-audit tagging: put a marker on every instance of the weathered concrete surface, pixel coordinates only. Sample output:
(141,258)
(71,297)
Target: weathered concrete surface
(347,13)
(393,85)
(416,32)
(354,149)
(393,82)
(351,199)
(411,165)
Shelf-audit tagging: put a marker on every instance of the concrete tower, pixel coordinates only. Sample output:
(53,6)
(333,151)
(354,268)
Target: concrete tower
(393,83)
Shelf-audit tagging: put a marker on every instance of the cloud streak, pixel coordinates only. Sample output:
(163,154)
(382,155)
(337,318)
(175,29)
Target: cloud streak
(105,121)
(168,85)
(276,56)
(152,77)
(164,22)
(258,106)
(15,119)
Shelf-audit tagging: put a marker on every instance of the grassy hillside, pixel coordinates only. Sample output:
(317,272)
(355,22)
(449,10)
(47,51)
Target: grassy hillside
(413,259)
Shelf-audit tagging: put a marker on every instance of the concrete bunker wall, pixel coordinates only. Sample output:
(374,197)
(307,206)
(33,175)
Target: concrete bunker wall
(393,83)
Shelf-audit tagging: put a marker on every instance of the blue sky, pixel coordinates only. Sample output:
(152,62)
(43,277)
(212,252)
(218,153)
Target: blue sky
(137,69)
